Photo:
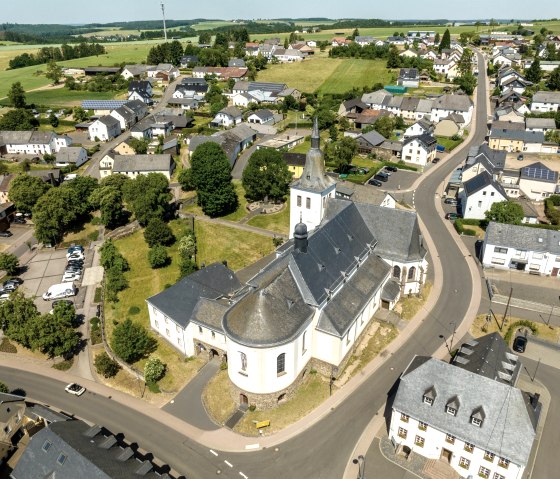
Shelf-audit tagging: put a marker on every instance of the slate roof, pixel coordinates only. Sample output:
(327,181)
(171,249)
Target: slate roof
(69,154)
(523,238)
(373,138)
(408,73)
(76,450)
(508,429)
(109,121)
(360,193)
(231,111)
(545,123)
(142,163)
(26,137)
(493,160)
(480,181)
(539,172)
(379,97)
(546,97)
(180,302)
(263,114)
(507,125)
(518,135)
(391,291)
(294,159)
(490,357)
(453,103)
(425,139)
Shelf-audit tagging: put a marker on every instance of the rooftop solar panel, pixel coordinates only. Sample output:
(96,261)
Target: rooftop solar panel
(539,173)
(103,104)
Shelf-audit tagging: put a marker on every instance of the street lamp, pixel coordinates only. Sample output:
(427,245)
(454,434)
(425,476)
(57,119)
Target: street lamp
(441,336)
(361,461)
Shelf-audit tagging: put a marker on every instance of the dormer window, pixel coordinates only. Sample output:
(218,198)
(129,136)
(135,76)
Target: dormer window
(452,406)
(428,401)
(477,417)
(451,410)
(429,396)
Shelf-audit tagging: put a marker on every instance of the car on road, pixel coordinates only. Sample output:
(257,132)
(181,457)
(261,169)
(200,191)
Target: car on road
(450,201)
(393,169)
(71,276)
(375,182)
(519,344)
(436,160)
(75,389)
(5,234)
(520,157)
(381,177)
(451,216)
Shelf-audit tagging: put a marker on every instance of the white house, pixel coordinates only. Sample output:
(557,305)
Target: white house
(261,117)
(537,182)
(288,55)
(540,124)
(419,150)
(104,129)
(408,77)
(242,99)
(445,105)
(377,100)
(522,248)
(33,142)
(447,68)
(544,101)
(421,127)
(479,194)
(134,165)
(73,155)
(228,116)
(309,306)
(479,424)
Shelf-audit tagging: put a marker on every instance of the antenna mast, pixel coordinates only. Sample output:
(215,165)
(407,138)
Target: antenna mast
(163,13)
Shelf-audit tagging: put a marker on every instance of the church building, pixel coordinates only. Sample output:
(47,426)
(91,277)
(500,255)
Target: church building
(307,308)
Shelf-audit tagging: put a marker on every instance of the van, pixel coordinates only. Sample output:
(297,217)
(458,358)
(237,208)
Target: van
(62,290)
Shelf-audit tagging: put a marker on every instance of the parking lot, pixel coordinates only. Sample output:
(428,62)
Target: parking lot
(400,180)
(45,270)
(19,233)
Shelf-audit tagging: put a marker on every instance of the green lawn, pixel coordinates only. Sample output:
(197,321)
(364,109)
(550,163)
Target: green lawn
(278,222)
(239,248)
(449,144)
(64,97)
(356,73)
(241,210)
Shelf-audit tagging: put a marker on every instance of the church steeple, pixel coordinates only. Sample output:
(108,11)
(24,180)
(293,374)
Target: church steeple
(315,138)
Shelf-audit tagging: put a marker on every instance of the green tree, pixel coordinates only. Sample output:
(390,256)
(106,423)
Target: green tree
(25,191)
(211,177)
(18,318)
(186,267)
(175,52)
(467,82)
(3,388)
(131,342)
(108,200)
(508,212)
(465,62)
(187,246)
(437,38)
(266,175)
(9,263)
(83,186)
(154,370)
(140,147)
(56,335)
(333,133)
(342,152)
(393,58)
(147,196)
(158,257)
(49,158)
(18,120)
(534,72)
(445,41)
(16,95)
(55,213)
(53,120)
(54,72)
(384,126)
(80,114)
(205,38)
(158,232)
(185,180)
(106,366)
(554,80)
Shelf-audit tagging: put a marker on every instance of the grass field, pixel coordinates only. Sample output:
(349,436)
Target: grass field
(239,248)
(277,222)
(355,73)
(63,97)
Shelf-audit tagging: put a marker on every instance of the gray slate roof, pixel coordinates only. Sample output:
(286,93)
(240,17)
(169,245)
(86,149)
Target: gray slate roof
(508,429)
(182,301)
(453,102)
(69,154)
(109,121)
(493,160)
(519,135)
(546,97)
(480,181)
(523,238)
(154,163)
(546,123)
(373,138)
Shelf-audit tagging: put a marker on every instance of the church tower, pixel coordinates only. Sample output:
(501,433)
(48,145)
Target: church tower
(308,194)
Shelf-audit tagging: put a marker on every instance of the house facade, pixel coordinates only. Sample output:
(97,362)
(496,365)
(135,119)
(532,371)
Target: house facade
(227,117)
(134,165)
(419,150)
(76,156)
(522,248)
(545,101)
(32,142)
(479,194)
(104,129)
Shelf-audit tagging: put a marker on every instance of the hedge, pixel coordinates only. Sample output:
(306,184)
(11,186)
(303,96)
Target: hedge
(458,223)
(518,324)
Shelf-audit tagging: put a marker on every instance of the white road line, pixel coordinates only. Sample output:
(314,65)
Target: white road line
(243,475)
(252,446)
(214,452)
(229,463)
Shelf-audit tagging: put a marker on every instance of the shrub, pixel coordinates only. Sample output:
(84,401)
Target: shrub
(7,347)
(133,310)
(106,366)
(9,263)
(519,324)
(3,388)
(64,365)
(158,233)
(93,235)
(131,341)
(458,224)
(158,257)
(154,370)
(95,330)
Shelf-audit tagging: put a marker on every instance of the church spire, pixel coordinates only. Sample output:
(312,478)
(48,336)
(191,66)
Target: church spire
(315,138)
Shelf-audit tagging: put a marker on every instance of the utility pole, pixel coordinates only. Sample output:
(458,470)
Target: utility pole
(163,13)
(507,307)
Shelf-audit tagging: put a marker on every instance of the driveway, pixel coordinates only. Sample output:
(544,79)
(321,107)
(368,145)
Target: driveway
(20,234)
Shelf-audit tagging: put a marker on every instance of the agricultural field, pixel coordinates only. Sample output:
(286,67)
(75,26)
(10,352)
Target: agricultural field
(214,24)
(355,73)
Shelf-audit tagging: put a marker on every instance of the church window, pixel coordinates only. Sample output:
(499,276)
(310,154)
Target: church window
(411,273)
(281,364)
(303,348)
(299,200)
(308,203)
(396,272)
(243,357)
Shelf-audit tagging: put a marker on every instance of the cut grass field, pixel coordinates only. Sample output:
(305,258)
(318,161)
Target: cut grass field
(277,222)
(63,97)
(356,73)
(216,243)
(480,328)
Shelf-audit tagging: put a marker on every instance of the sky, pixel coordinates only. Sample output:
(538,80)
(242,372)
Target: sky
(104,11)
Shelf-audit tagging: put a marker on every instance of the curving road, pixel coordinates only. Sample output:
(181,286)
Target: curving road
(323,450)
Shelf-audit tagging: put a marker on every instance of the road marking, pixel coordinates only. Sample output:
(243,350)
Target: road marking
(229,463)
(243,475)
(214,452)
(252,446)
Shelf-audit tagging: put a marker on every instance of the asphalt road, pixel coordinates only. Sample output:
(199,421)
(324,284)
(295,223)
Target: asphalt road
(323,450)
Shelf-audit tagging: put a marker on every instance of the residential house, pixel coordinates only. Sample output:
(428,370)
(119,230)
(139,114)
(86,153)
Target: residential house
(311,43)
(346,190)
(549,65)
(53,177)
(409,107)
(222,73)
(134,165)
(124,148)
(72,155)
(140,95)
(236,62)
(544,101)
(363,40)
(445,105)
(135,71)
(227,117)
(447,68)
(368,142)
(350,108)
(409,53)
(12,412)
(189,61)
(128,115)
(419,150)
(409,77)
(32,142)
(377,100)
(295,162)
(5,181)
(516,140)
(303,48)
(449,126)
(511,114)
(522,248)
(369,117)
(288,55)
(479,194)
(397,41)
(537,182)
(141,85)
(104,129)
(482,158)
(422,127)
(164,71)
(540,124)
(340,42)
(261,117)
(480,425)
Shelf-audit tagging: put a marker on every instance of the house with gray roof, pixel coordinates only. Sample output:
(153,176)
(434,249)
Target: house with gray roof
(523,248)
(467,414)
(71,155)
(32,142)
(409,77)
(482,158)
(537,182)
(12,412)
(72,449)
(479,194)
(540,124)
(516,140)
(445,105)
(134,165)
(104,128)
(308,305)
(367,142)
(545,101)
(226,117)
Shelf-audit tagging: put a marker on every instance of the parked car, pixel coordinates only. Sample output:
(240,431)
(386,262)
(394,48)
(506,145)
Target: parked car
(4,296)
(451,216)
(75,262)
(375,182)
(75,255)
(70,276)
(5,234)
(450,201)
(15,280)
(391,168)
(59,291)
(381,177)
(75,389)
(385,171)
(77,247)
(19,220)
(436,160)
(519,344)
(520,157)
(7,286)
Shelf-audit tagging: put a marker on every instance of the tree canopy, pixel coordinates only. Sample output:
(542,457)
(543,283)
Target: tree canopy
(131,342)
(157,232)
(534,72)
(266,175)
(16,95)
(55,213)
(211,177)
(9,263)
(26,190)
(147,196)
(445,41)
(18,120)
(341,153)
(508,212)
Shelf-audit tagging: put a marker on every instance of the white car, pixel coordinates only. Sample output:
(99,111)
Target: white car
(75,389)
(75,255)
(69,277)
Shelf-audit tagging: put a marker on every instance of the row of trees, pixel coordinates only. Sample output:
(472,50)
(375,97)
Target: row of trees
(115,265)
(57,54)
